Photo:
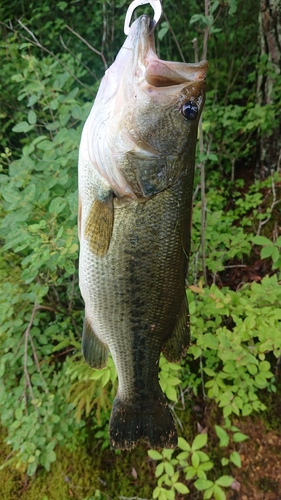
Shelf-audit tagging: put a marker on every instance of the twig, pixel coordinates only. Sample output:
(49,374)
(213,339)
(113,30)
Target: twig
(37,362)
(237,265)
(174,37)
(28,337)
(202,377)
(274,202)
(88,45)
(132,498)
(72,293)
(26,374)
(203,191)
(78,60)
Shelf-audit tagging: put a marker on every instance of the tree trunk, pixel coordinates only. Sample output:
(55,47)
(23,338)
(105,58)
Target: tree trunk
(270,45)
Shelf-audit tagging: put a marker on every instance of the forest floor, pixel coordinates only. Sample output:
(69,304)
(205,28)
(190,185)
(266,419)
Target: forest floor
(93,474)
(260,474)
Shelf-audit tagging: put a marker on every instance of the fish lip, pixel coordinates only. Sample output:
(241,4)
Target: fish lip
(157,72)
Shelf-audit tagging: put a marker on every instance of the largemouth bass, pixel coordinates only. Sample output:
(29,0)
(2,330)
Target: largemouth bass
(136,168)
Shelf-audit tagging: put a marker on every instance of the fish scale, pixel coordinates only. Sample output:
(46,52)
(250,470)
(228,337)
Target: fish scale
(135,232)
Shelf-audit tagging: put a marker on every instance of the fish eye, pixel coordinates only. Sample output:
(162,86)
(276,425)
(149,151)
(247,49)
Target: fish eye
(189,110)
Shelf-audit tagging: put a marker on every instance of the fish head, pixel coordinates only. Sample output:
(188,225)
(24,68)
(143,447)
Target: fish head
(145,117)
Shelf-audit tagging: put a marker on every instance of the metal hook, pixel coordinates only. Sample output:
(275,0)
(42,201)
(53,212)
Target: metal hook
(155,4)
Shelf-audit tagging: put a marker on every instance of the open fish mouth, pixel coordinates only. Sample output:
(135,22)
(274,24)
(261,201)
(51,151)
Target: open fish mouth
(157,72)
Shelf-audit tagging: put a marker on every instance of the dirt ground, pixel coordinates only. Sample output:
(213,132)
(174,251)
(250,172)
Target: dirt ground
(260,474)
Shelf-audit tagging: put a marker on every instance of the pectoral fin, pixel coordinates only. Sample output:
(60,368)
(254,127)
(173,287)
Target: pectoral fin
(99,225)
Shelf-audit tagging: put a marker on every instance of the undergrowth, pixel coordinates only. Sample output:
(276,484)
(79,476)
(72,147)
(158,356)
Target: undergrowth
(54,409)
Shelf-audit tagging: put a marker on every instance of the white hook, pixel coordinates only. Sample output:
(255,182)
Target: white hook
(155,4)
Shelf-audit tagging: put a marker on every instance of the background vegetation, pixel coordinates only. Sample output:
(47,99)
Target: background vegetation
(54,409)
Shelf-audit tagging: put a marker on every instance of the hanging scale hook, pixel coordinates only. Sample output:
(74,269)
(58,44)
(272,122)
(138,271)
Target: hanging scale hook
(155,4)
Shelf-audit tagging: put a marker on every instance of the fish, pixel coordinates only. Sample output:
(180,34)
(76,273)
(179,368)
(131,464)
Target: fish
(136,171)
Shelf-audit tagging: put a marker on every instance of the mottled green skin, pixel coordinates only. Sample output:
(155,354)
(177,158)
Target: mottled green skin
(134,286)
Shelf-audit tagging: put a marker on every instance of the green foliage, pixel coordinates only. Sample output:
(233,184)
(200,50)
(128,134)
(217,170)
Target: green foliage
(51,402)
(39,209)
(270,249)
(190,464)
(234,333)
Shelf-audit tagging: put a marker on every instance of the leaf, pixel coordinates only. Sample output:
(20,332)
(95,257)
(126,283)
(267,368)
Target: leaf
(224,481)
(57,205)
(181,488)
(278,241)
(183,444)
(169,469)
(156,492)
(238,437)
(31,117)
(224,461)
(203,484)
(155,455)
(275,255)
(31,469)
(195,460)
(210,341)
(171,393)
(159,469)
(247,409)
(235,458)
(163,30)
(261,240)
(219,494)
(22,127)
(199,441)
(264,366)
(267,251)
(222,435)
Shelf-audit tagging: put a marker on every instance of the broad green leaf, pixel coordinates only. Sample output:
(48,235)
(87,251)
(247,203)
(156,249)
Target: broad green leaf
(169,468)
(235,458)
(156,492)
(210,341)
(31,117)
(261,240)
(224,481)
(222,435)
(57,205)
(224,461)
(171,393)
(264,366)
(22,127)
(219,494)
(247,409)
(208,493)
(238,437)
(183,444)
(267,251)
(206,465)
(181,488)
(155,455)
(195,460)
(199,441)
(159,469)
(203,484)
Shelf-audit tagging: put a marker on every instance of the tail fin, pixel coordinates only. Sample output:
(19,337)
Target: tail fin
(152,422)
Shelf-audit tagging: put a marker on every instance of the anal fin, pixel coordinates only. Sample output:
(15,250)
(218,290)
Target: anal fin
(94,351)
(176,346)
(99,224)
